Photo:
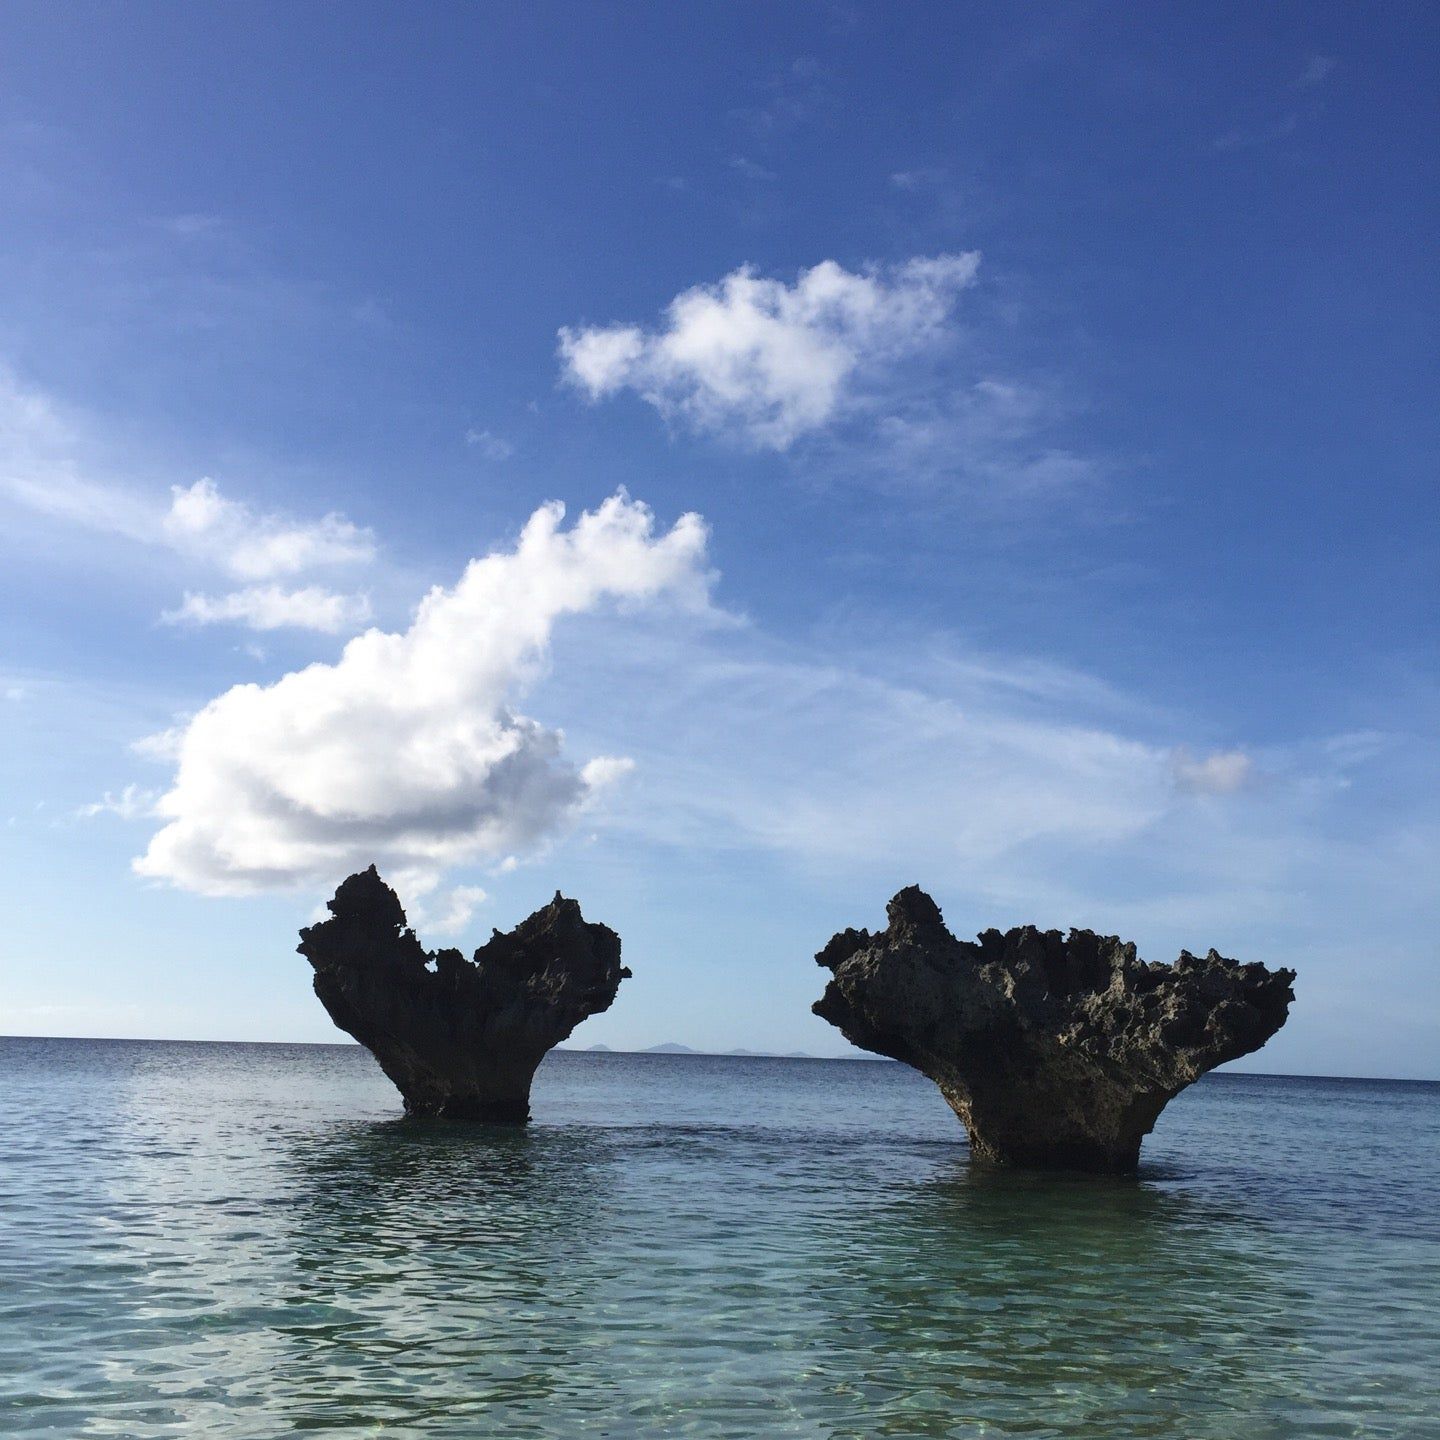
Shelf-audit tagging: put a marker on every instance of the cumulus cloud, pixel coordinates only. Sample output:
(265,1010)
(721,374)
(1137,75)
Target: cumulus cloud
(1222,772)
(407,751)
(270,607)
(764,360)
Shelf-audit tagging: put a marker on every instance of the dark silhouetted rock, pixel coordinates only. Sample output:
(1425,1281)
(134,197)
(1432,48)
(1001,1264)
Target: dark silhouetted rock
(1055,1052)
(459,1038)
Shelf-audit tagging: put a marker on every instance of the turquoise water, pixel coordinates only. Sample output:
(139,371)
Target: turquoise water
(244,1241)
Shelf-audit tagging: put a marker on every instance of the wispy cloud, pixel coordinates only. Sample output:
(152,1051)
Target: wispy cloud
(1247,138)
(764,362)
(1221,772)
(750,169)
(794,95)
(926,177)
(134,802)
(191,225)
(271,607)
(999,445)
(1027,792)
(1316,70)
(491,446)
(42,468)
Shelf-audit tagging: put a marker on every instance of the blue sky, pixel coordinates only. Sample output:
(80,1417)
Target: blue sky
(1055,387)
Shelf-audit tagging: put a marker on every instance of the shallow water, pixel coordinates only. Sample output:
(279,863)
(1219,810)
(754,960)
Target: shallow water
(244,1241)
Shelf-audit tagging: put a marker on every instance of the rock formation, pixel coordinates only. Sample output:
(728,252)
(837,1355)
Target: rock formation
(460,1038)
(1055,1052)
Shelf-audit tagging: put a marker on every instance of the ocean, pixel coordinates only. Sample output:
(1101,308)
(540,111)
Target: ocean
(229,1240)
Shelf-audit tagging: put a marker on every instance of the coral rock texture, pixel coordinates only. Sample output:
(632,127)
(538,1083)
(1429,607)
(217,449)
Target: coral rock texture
(1056,1052)
(460,1038)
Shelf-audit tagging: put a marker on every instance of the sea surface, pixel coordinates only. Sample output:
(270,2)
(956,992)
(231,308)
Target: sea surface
(248,1241)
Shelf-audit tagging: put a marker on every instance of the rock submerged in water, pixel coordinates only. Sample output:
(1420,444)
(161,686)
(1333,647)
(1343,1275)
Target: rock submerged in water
(1056,1052)
(460,1038)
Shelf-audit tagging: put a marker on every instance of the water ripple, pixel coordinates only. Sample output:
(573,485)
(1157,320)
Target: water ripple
(242,1241)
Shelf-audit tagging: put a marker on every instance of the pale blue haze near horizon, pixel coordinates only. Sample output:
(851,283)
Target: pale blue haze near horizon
(1070,533)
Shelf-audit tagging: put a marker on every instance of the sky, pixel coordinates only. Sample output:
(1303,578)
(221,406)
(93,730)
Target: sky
(726,462)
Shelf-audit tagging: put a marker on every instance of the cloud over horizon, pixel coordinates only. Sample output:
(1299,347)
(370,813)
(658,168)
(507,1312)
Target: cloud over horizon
(406,751)
(764,362)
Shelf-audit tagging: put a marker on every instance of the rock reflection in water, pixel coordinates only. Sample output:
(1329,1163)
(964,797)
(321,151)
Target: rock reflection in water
(437,1267)
(1114,1308)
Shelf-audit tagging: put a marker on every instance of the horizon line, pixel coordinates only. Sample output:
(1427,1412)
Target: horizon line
(689,1051)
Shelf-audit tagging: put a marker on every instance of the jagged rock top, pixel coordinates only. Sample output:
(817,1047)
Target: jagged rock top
(555,954)
(458,1036)
(1054,1050)
(915,983)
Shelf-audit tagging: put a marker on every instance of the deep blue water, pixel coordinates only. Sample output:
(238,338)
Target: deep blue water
(246,1241)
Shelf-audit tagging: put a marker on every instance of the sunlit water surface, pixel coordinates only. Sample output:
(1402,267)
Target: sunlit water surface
(245,1241)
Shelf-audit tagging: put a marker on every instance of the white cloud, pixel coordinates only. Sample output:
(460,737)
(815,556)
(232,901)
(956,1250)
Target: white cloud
(43,465)
(1222,772)
(165,745)
(461,902)
(605,771)
(599,360)
(490,445)
(134,802)
(406,750)
(269,607)
(256,546)
(767,361)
